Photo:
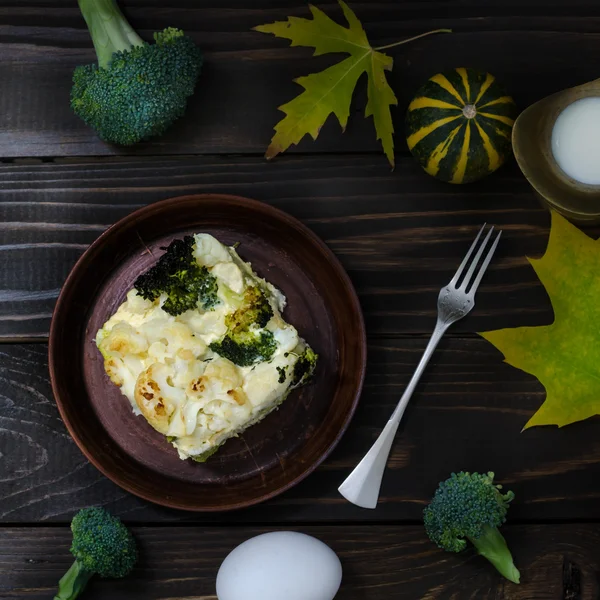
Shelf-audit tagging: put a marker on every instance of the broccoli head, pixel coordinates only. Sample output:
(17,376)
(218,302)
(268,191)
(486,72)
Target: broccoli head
(178,275)
(468,506)
(102,546)
(137,89)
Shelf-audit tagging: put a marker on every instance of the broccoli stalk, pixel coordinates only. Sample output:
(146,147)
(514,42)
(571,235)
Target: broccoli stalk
(73,582)
(109,29)
(137,89)
(102,546)
(492,545)
(469,506)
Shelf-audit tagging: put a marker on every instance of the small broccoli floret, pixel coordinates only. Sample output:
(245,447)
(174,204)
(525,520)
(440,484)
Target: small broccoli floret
(178,275)
(102,546)
(254,311)
(282,376)
(468,506)
(247,342)
(246,348)
(304,367)
(137,89)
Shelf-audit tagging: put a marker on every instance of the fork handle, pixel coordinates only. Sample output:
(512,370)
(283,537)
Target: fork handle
(436,336)
(362,486)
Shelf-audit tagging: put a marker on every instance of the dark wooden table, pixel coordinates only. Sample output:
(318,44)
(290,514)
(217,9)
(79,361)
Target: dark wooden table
(399,234)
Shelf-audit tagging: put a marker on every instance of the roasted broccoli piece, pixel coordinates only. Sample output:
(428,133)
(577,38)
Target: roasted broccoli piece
(246,348)
(247,342)
(282,375)
(137,89)
(254,311)
(102,545)
(468,506)
(178,275)
(304,367)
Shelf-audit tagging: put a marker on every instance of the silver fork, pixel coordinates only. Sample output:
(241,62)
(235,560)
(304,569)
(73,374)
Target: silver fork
(454,302)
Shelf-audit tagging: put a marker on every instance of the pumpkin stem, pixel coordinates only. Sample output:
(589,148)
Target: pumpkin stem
(470,111)
(416,37)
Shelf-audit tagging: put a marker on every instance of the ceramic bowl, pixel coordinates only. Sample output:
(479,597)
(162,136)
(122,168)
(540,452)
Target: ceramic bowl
(531,139)
(268,458)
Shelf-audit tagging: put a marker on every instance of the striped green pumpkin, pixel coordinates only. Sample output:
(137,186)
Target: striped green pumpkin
(459,124)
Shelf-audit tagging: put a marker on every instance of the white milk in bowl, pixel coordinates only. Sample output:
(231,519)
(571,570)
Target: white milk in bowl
(576,140)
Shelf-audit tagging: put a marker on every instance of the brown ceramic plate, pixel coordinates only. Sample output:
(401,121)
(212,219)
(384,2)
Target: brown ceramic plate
(270,457)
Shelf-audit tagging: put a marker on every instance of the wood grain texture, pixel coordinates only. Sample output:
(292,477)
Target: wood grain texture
(557,562)
(400,235)
(247,75)
(467,413)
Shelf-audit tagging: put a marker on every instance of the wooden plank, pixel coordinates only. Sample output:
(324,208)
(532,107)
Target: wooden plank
(557,562)
(400,235)
(248,75)
(467,414)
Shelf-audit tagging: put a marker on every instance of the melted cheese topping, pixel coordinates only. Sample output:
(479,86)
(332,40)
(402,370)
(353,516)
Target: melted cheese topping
(164,366)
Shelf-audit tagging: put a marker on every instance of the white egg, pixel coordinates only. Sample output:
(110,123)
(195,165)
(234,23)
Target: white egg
(280,565)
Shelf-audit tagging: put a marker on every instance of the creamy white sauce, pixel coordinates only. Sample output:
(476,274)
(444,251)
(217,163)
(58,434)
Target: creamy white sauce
(576,140)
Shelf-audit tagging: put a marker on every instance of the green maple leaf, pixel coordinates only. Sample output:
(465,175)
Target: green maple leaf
(564,356)
(330,91)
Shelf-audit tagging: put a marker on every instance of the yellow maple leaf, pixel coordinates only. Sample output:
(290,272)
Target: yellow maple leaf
(330,91)
(564,356)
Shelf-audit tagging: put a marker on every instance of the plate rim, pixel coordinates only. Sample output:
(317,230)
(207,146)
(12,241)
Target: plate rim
(69,283)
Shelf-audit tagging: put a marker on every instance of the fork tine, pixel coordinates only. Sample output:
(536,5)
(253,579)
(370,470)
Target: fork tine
(469,275)
(463,264)
(485,264)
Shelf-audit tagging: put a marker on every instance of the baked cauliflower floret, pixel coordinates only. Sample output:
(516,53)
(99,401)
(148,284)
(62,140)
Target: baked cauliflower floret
(208,326)
(200,348)
(134,311)
(220,378)
(164,338)
(285,336)
(261,384)
(179,336)
(185,368)
(136,304)
(156,398)
(229,274)
(123,339)
(208,251)
(123,348)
